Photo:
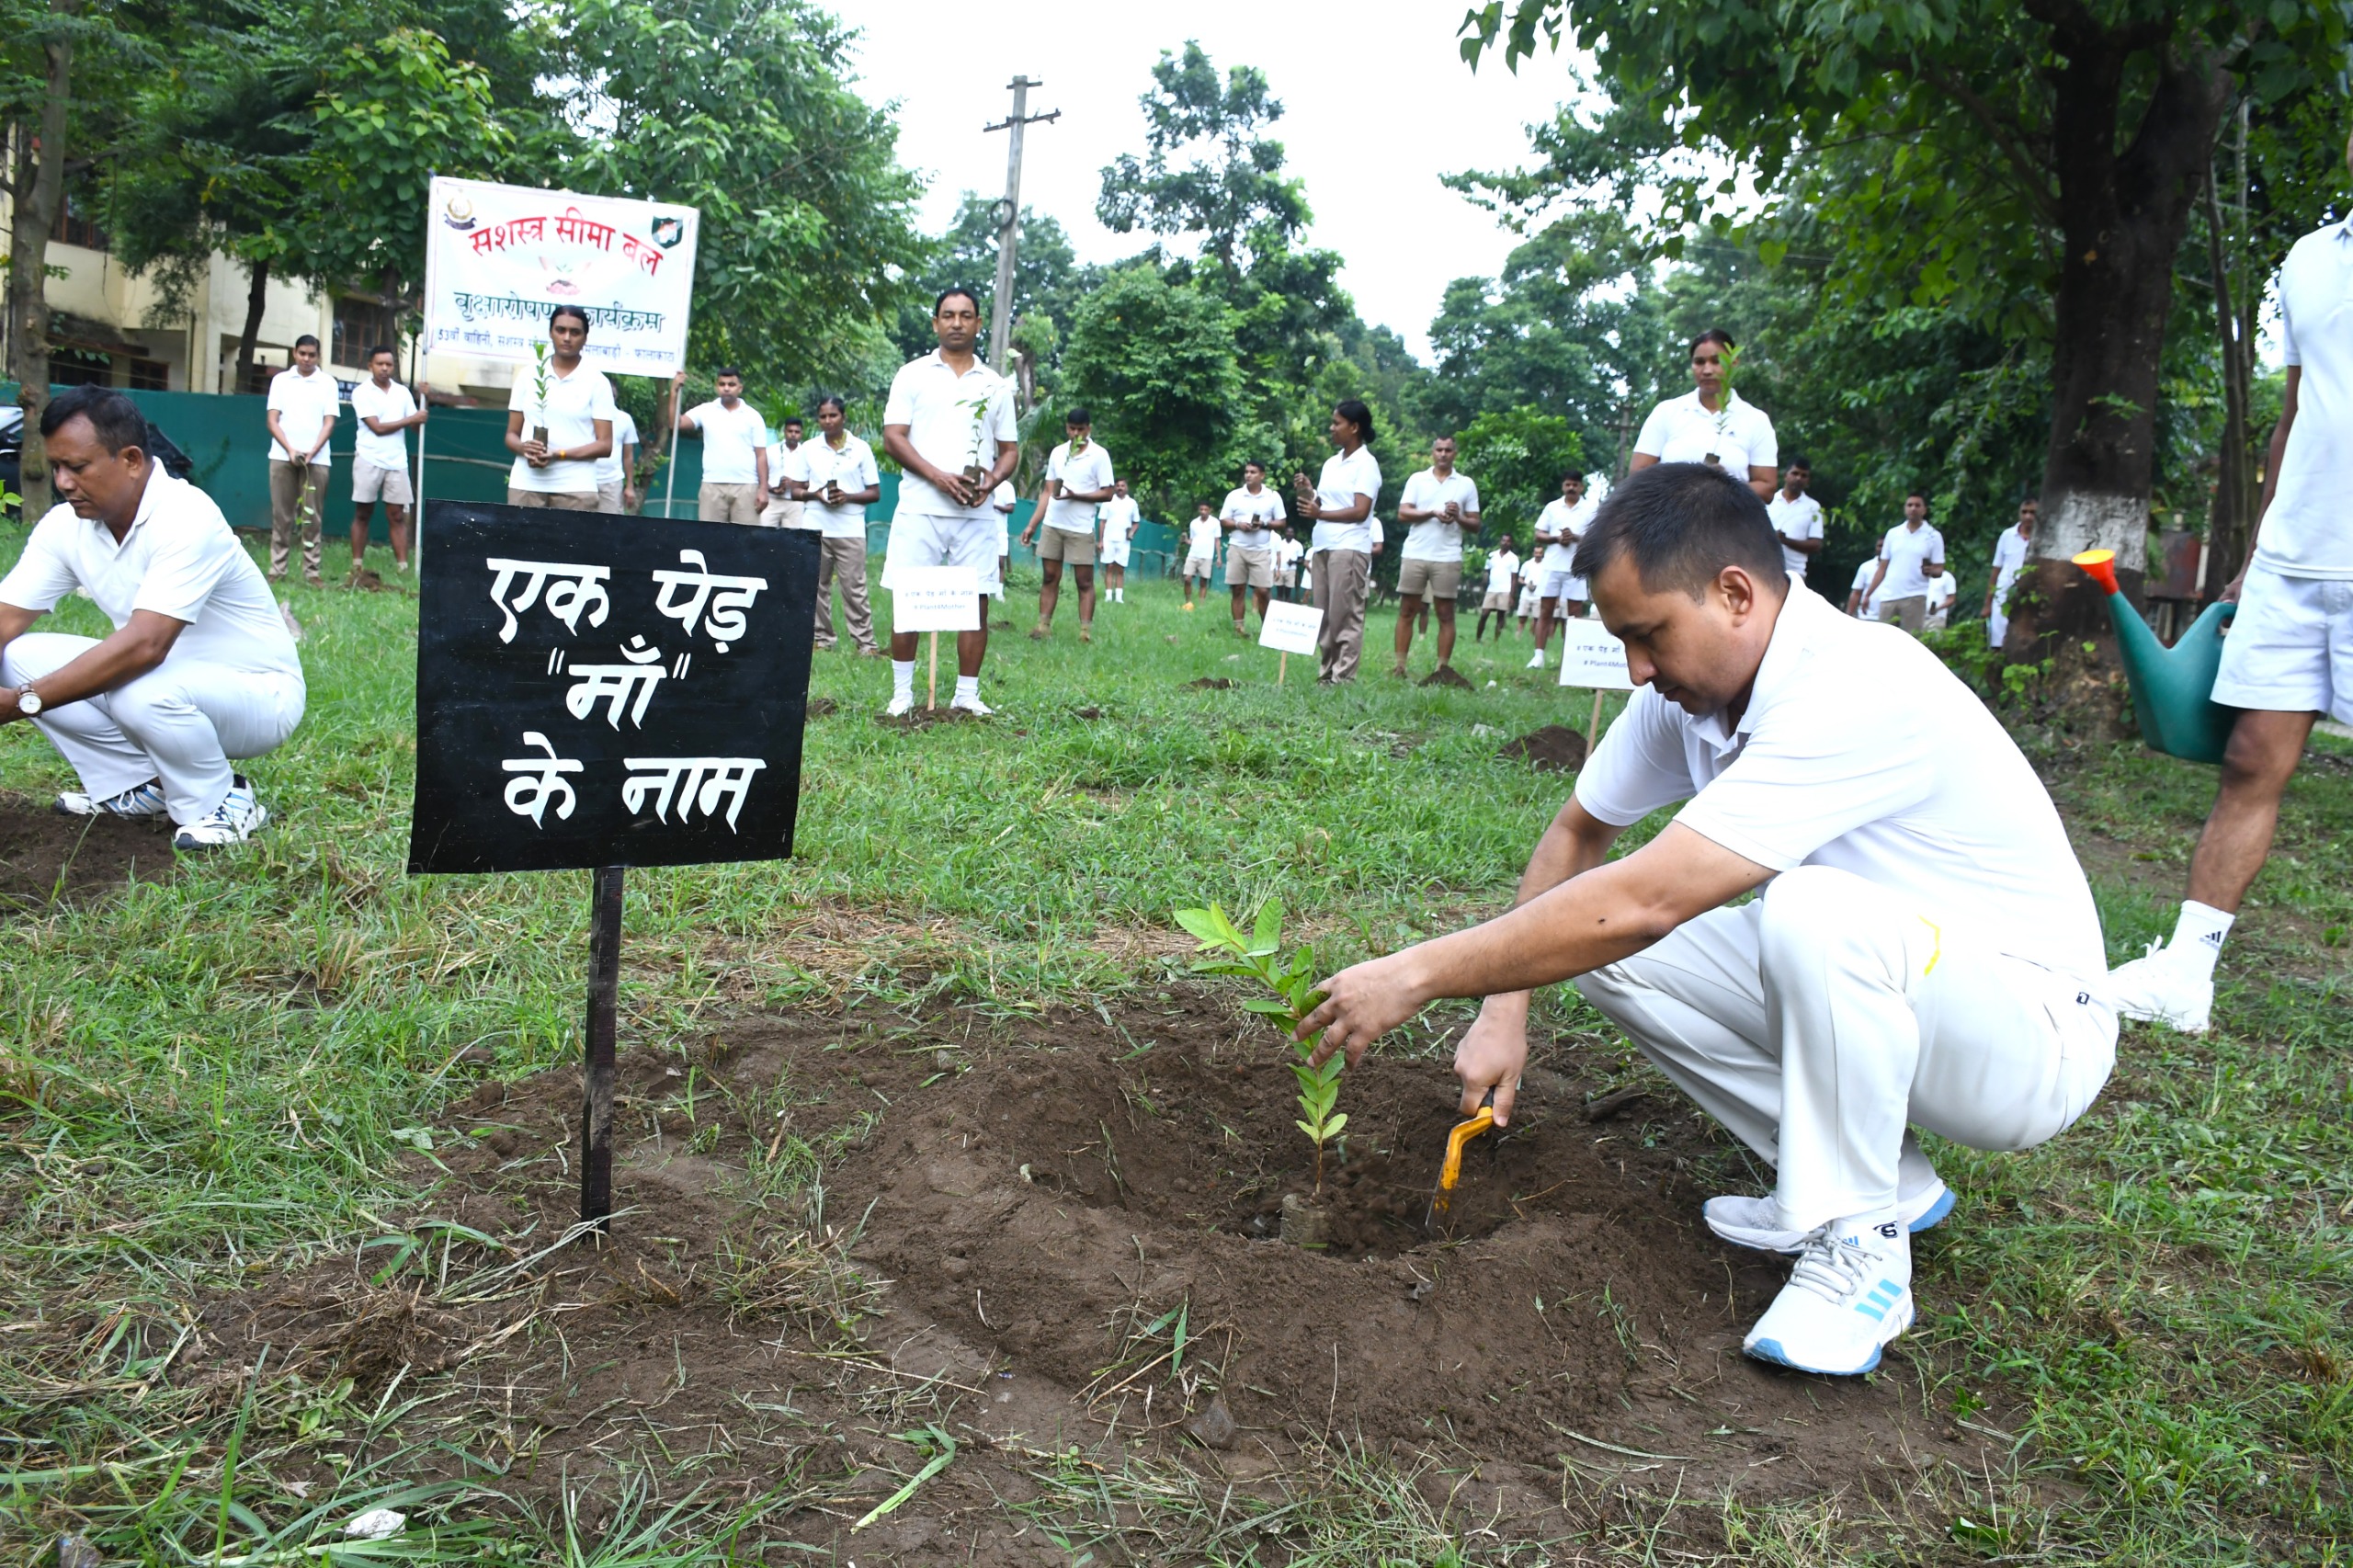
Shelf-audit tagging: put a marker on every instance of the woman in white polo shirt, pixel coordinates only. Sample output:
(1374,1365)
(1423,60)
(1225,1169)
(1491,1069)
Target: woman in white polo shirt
(557,438)
(1340,505)
(1710,425)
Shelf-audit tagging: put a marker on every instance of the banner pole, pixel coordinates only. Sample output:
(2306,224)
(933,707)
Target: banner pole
(597,1074)
(670,477)
(417,358)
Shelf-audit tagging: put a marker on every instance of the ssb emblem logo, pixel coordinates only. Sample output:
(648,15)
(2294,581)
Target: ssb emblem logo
(668,232)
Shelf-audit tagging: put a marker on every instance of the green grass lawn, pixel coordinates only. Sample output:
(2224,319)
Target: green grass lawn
(209,1077)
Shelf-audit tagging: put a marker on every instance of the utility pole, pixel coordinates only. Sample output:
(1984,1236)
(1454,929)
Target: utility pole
(1008,218)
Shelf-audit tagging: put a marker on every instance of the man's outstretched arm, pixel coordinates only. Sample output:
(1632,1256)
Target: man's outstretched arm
(1577,913)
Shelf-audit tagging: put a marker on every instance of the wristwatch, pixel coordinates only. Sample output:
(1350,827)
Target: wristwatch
(29,701)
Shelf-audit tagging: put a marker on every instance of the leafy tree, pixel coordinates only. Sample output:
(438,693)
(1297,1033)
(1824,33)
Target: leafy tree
(1517,456)
(1208,167)
(1154,362)
(2024,163)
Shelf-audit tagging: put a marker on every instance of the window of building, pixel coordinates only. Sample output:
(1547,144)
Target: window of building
(361,325)
(150,375)
(80,368)
(77,227)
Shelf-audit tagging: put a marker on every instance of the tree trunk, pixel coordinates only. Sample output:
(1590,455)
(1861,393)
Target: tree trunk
(39,188)
(2125,217)
(2226,524)
(257,296)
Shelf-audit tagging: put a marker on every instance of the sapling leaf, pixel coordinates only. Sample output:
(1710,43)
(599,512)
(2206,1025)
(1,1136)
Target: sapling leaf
(1268,935)
(1268,1006)
(1333,1125)
(1197,921)
(1309,1130)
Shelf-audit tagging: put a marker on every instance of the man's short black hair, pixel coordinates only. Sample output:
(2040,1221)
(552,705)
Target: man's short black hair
(726,370)
(560,312)
(306,341)
(383,349)
(1800,462)
(114,419)
(1920,495)
(1254,463)
(792,420)
(1569,474)
(950,292)
(1082,414)
(1683,523)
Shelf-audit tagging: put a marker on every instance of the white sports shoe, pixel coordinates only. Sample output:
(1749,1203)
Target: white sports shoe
(1749,1221)
(2160,988)
(1536,660)
(139,801)
(234,820)
(973,705)
(1849,1295)
(902,704)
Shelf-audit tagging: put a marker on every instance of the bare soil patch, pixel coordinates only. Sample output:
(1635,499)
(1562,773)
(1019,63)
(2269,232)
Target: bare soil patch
(1210,683)
(1445,675)
(1556,748)
(45,857)
(1059,1231)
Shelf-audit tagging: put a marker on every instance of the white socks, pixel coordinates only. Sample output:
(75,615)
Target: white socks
(968,688)
(903,678)
(2198,936)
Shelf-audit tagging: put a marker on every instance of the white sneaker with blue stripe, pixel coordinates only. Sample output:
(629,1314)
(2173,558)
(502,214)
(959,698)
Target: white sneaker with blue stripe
(1848,1296)
(234,820)
(139,801)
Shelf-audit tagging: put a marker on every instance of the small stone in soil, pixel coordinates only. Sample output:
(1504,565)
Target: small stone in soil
(1213,1427)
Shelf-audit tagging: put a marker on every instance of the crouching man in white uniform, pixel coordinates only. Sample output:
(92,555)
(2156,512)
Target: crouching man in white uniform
(1924,952)
(200,667)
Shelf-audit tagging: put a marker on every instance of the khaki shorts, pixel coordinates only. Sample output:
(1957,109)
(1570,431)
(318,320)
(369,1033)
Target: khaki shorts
(1429,579)
(1201,567)
(370,483)
(554,500)
(1061,544)
(1250,569)
(1499,599)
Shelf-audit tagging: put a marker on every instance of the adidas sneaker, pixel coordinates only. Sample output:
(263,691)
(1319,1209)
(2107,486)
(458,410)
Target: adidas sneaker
(1848,1296)
(235,819)
(139,801)
(2160,987)
(1753,1222)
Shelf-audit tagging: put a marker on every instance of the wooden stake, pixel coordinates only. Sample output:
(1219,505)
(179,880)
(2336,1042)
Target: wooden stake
(1282,662)
(931,687)
(1593,729)
(596,1077)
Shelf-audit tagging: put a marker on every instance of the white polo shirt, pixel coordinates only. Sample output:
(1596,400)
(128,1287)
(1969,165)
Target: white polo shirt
(574,404)
(179,559)
(1089,470)
(1435,538)
(304,405)
(1801,518)
(1119,516)
(1347,475)
(1262,508)
(389,401)
(781,460)
(1566,524)
(731,438)
(1201,536)
(1859,750)
(1681,430)
(1501,567)
(2009,559)
(1907,551)
(813,463)
(609,467)
(1863,575)
(2305,534)
(954,421)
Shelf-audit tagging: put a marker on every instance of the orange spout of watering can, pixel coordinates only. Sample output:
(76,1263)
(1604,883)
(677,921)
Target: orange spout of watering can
(2172,689)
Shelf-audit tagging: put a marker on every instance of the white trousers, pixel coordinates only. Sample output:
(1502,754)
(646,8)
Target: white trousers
(1823,1020)
(181,722)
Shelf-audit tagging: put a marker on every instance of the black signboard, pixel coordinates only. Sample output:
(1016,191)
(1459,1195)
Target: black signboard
(597,690)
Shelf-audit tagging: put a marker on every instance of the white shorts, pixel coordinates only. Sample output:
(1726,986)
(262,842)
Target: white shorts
(1114,551)
(925,539)
(2291,646)
(1564,585)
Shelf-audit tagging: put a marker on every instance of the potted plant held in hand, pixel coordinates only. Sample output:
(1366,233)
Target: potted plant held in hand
(540,387)
(1258,955)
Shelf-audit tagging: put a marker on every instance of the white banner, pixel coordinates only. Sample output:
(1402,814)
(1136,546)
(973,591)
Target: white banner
(1591,657)
(1289,628)
(498,258)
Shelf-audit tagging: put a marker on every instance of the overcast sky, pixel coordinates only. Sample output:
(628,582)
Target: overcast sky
(1377,106)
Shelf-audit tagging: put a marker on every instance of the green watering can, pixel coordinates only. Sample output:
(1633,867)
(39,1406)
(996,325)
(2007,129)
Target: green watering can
(2172,687)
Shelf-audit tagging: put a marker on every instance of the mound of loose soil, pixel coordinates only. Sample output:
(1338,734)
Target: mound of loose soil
(1210,683)
(1090,713)
(44,857)
(820,706)
(1445,675)
(1552,749)
(367,581)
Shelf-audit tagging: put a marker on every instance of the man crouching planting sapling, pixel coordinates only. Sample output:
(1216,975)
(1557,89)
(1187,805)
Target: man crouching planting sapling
(1924,952)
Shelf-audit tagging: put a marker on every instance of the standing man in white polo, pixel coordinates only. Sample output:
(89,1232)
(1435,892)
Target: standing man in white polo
(1503,570)
(385,412)
(1797,517)
(1439,507)
(1119,517)
(782,505)
(1201,553)
(200,669)
(2288,659)
(948,424)
(1253,521)
(1340,504)
(734,450)
(834,479)
(558,442)
(1078,480)
(1924,951)
(1909,557)
(301,414)
(2009,561)
(1560,592)
(617,469)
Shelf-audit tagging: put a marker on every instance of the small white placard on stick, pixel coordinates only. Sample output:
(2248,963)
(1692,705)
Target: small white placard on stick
(1591,657)
(1289,628)
(935,599)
